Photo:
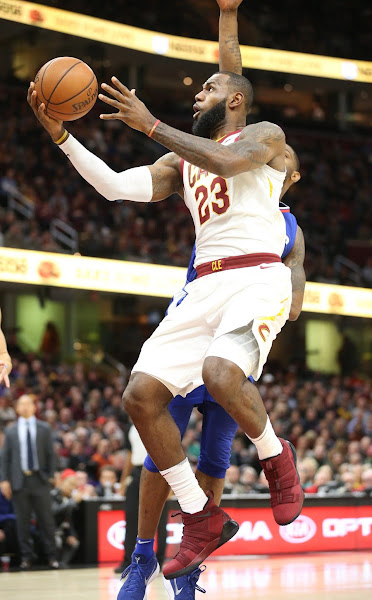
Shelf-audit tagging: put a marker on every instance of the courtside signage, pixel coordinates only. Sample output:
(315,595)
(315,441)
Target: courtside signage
(317,529)
(143,279)
(108,32)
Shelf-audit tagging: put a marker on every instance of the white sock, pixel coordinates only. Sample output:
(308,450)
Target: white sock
(186,487)
(267,444)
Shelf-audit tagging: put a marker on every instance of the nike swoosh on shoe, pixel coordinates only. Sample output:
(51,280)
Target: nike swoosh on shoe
(149,577)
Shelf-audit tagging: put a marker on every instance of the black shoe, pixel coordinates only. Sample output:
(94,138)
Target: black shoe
(53,564)
(25,565)
(120,568)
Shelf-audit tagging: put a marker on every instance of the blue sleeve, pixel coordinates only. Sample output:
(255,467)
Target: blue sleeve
(291,231)
(190,276)
(191,272)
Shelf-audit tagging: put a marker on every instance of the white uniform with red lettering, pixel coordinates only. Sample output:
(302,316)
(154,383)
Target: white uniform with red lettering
(233,217)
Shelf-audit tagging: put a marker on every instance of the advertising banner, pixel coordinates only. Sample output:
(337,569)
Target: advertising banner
(191,49)
(317,529)
(125,277)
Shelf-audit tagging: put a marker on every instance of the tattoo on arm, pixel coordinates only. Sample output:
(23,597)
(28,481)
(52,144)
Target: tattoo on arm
(166,177)
(231,48)
(258,145)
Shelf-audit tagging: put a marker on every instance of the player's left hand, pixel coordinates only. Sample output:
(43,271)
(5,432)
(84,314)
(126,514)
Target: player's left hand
(130,109)
(4,377)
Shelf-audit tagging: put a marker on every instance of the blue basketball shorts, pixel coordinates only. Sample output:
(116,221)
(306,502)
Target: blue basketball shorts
(217,433)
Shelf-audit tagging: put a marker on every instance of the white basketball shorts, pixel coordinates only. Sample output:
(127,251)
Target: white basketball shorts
(215,305)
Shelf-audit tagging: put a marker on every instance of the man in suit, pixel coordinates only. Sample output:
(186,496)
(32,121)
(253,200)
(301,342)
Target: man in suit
(27,466)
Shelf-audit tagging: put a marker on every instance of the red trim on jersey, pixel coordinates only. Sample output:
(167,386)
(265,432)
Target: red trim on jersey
(236,262)
(182,164)
(226,136)
(284,209)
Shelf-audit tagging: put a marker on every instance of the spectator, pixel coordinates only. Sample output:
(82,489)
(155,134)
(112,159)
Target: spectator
(86,489)
(27,468)
(50,346)
(248,478)
(232,481)
(102,456)
(109,486)
(367,481)
(322,477)
(66,499)
(9,547)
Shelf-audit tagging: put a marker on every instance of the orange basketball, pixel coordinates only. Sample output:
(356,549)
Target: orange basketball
(68,87)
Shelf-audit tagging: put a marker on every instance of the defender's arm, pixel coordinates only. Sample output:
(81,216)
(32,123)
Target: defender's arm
(295,261)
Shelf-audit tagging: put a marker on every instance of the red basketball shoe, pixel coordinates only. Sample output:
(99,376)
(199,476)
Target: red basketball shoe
(287,496)
(203,532)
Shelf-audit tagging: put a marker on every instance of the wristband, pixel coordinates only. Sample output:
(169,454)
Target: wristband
(151,132)
(62,139)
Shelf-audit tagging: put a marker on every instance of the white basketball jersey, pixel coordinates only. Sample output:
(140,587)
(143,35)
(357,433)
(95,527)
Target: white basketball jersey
(234,216)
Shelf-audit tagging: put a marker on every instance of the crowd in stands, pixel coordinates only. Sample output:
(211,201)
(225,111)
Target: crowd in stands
(327,418)
(331,202)
(262,23)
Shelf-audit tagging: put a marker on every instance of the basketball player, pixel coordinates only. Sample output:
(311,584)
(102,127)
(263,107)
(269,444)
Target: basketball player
(218,429)
(223,330)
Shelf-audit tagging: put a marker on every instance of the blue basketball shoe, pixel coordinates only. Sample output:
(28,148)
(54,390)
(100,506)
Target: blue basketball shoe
(184,587)
(137,577)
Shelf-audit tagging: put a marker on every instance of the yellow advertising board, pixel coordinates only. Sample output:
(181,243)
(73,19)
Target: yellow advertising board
(123,277)
(191,49)
(338,300)
(86,273)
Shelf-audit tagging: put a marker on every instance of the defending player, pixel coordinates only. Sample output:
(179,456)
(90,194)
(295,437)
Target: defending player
(224,329)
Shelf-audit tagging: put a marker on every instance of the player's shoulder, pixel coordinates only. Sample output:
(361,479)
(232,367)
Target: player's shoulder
(289,218)
(263,131)
(174,163)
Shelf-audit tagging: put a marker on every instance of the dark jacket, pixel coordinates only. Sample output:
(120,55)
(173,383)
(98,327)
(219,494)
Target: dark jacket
(11,467)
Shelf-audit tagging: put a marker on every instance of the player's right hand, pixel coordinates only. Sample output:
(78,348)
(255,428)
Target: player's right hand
(6,489)
(53,126)
(229,5)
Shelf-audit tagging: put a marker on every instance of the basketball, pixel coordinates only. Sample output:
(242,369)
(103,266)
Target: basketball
(67,86)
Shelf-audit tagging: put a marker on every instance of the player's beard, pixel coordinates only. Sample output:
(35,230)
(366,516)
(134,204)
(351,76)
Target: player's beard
(208,122)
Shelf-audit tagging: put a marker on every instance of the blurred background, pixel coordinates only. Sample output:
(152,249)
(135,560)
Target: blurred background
(73,349)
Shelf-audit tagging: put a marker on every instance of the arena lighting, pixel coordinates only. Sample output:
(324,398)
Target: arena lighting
(143,279)
(191,49)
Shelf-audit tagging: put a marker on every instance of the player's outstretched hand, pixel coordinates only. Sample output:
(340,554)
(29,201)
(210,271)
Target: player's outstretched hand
(53,126)
(228,5)
(4,377)
(130,109)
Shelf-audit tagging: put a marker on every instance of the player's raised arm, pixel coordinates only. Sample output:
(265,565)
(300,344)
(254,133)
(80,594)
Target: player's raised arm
(228,42)
(141,184)
(258,145)
(295,262)
(5,360)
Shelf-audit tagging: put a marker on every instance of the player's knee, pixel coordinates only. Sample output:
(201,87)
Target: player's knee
(133,402)
(144,397)
(216,375)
